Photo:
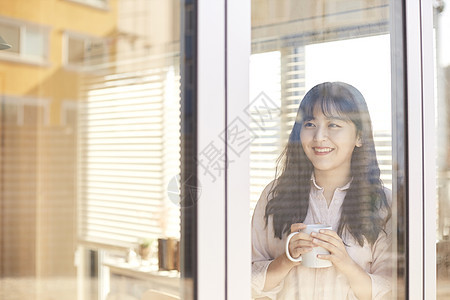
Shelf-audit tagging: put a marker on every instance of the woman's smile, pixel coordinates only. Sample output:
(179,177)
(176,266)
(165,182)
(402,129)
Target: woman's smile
(322,150)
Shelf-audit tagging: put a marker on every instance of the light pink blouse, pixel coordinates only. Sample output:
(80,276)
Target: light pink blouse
(304,283)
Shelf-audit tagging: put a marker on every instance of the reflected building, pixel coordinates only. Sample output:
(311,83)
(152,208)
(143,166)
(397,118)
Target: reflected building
(90,141)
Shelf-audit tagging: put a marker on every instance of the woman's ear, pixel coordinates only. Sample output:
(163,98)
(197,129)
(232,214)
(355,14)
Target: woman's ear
(358,141)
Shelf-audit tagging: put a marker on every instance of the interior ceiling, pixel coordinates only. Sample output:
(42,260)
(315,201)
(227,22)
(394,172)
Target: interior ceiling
(286,23)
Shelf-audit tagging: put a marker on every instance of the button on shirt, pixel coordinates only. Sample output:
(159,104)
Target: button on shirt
(305,283)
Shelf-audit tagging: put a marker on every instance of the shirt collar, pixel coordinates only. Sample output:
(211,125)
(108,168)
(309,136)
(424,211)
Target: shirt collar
(342,188)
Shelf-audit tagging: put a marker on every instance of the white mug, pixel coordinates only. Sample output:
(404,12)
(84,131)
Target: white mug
(310,259)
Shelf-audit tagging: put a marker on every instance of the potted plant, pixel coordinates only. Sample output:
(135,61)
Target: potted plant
(144,248)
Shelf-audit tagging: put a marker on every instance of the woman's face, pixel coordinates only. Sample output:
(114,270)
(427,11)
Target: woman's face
(329,142)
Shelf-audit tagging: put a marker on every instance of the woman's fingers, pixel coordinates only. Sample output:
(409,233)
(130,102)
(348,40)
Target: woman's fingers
(326,245)
(298,249)
(330,241)
(301,242)
(296,227)
(330,233)
(302,236)
(295,253)
(328,236)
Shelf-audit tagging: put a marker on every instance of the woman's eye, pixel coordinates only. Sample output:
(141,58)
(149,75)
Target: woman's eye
(334,125)
(308,124)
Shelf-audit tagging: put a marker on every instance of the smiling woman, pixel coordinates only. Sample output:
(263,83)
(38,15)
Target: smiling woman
(329,175)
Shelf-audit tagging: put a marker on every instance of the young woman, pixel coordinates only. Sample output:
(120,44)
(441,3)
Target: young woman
(329,175)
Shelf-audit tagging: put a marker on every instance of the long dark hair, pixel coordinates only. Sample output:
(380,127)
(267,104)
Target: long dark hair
(365,199)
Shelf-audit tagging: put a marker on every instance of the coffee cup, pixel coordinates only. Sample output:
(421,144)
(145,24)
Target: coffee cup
(310,259)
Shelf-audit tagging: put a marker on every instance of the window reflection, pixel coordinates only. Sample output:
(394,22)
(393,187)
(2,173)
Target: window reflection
(29,40)
(298,45)
(90,125)
(442,63)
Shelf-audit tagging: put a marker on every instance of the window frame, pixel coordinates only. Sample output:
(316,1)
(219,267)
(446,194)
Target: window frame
(20,102)
(22,57)
(67,35)
(414,119)
(421,148)
(211,275)
(238,51)
(67,107)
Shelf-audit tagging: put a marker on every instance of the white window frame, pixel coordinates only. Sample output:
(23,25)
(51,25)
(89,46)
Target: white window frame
(20,102)
(68,106)
(238,229)
(224,40)
(67,35)
(421,145)
(211,216)
(21,56)
(218,229)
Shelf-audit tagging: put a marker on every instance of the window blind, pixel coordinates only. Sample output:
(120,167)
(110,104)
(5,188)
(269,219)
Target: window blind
(286,89)
(265,84)
(128,150)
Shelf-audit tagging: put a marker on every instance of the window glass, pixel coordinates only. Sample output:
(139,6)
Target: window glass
(90,151)
(35,43)
(331,59)
(442,76)
(84,53)
(11,34)
(75,50)
(28,40)
(10,114)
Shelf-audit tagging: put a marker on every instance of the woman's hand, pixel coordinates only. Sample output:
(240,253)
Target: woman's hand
(300,243)
(282,265)
(331,241)
(359,280)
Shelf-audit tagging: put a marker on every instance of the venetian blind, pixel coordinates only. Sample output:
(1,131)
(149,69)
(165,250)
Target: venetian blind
(128,151)
(265,147)
(283,84)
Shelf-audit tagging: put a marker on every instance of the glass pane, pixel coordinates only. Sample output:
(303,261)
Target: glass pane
(90,155)
(442,63)
(11,34)
(35,43)
(328,162)
(75,51)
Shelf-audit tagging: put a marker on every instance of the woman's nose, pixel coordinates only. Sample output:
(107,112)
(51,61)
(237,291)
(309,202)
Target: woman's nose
(321,134)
